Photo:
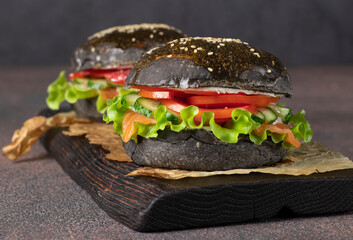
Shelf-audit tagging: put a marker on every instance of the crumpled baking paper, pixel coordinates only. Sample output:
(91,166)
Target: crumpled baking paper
(33,128)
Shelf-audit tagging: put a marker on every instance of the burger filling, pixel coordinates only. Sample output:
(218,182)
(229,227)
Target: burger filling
(101,83)
(145,111)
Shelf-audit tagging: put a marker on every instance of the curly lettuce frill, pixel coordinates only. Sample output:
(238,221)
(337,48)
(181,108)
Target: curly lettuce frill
(241,123)
(63,90)
(300,129)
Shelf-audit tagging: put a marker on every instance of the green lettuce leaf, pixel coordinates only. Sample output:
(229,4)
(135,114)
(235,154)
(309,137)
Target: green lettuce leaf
(241,123)
(275,137)
(115,110)
(63,90)
(301,127)
(101,105)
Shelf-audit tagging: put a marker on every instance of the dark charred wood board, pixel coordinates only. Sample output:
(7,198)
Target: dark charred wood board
(151,204)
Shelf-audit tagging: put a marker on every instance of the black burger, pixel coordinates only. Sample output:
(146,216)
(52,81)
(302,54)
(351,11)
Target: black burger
(102,63)
(207,104)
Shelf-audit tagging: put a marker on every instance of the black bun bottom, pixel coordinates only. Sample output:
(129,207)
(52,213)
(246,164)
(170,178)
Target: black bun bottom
(86,108)
(200,150)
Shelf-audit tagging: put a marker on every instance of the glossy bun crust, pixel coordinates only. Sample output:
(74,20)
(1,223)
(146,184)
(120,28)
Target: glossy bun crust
(121,45)
(200,150)
(211,62)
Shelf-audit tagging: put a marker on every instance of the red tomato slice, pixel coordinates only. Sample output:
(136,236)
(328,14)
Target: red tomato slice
(117,77)
(222,115)
(230,100)
(175,92)
(201,96)
(74,75)
(156,94)
(114,75)
(174,104)
(225,112)
(210,100)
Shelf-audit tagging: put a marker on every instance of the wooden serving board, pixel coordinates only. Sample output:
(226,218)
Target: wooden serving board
(152,204)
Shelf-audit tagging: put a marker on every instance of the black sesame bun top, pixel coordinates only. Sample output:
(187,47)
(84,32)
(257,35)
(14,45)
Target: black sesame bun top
(211,62)
(122,45)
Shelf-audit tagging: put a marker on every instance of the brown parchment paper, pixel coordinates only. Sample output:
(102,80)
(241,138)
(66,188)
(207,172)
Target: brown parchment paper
(33,128)
(101,134)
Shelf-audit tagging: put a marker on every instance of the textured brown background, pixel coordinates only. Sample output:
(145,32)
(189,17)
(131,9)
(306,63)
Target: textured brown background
(39,201)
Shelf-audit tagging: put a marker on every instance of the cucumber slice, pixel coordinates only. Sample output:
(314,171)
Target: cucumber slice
(80,83)
(113,85)
(284,113)
(76,82)
(286,118)
(129,100)
(91,83)
(97,83)
(146,106)
(270,116)
(171,117)
(258,117)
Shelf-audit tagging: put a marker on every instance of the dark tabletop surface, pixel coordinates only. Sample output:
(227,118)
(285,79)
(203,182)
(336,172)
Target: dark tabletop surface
(39,201)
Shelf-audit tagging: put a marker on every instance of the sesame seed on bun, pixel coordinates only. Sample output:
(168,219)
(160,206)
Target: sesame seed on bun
(202,62)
